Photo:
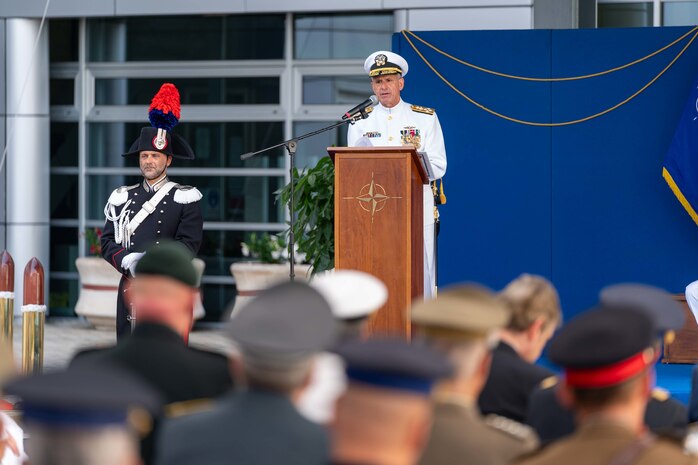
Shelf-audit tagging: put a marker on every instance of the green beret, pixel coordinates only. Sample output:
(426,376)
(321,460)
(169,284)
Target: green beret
(171,260)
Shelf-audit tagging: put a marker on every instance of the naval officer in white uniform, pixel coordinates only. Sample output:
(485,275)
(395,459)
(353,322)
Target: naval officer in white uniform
(394,122)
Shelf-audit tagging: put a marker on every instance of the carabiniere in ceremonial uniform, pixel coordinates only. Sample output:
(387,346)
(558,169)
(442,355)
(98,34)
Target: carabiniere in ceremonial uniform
(156,208)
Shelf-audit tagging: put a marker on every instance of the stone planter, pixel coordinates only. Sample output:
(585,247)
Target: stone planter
(100,286)
(252,277)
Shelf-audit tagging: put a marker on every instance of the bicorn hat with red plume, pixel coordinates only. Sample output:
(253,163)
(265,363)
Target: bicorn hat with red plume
(164,115)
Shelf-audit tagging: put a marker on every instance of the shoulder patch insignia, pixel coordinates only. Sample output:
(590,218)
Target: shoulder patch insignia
(662,395)
(549,382)
(187,194)
(425,110)
(120,195)
(510,427)
(128,188)
(188,407)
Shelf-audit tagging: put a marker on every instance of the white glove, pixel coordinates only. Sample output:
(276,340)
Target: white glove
(128,263)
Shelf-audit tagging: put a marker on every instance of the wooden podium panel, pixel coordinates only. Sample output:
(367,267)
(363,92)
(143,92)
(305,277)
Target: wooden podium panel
(379,225)
(684,347)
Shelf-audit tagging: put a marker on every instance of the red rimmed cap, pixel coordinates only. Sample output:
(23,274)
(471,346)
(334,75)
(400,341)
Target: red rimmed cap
(610,375)
(605,346)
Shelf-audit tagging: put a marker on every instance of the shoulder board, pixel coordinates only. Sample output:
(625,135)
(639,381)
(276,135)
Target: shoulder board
(120,196)
(188,407)
(662,395)
(549,382)
(187,194)
(425,110)
(510,427)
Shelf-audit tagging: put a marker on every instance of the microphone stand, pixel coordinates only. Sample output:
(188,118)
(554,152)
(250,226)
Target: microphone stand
(291,145)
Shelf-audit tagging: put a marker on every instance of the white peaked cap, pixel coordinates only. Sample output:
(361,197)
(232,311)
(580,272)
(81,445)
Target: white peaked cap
(384,62)
(351,294)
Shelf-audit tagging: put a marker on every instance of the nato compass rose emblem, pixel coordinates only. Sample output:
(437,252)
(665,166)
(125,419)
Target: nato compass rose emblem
(372,198)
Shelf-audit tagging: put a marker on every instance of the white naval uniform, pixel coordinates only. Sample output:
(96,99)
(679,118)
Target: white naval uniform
(692,298)
(382,128)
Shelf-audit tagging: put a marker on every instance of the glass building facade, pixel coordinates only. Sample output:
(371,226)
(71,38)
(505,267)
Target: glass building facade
(624,13)
(246,82)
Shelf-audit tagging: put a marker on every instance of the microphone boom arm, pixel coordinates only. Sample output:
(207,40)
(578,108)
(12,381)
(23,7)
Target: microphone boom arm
(291,145)
(354,119)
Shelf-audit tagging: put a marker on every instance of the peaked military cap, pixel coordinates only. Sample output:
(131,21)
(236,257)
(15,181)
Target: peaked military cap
(171,260)
(383,62)
(461,312)
(84,396)
(394,364)
(653,301)
(603,347)
(288,318)
(351,294)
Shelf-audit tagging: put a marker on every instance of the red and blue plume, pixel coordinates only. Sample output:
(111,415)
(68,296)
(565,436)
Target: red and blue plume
(164,109)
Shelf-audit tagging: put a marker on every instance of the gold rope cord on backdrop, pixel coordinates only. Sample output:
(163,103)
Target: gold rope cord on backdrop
(571,78)
(563,123)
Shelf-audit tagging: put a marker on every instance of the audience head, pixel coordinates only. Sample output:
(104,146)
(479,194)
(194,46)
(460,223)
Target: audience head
(384,416)
(463,321)
(85,415)
(652,301)
(164,288)
(608,356)
(353,297)
(278,333)
(535,314)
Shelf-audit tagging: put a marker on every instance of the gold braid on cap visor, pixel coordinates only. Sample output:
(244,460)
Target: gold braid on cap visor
(380,71)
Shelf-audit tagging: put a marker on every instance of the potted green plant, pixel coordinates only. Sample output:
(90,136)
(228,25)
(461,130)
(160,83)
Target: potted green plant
(314,232)
(314,206)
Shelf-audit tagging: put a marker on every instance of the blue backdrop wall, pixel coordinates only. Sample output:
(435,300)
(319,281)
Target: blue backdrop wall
(584,205)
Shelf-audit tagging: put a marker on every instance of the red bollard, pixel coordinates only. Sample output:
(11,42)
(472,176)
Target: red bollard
(7,297)
(7,272)
(33,318)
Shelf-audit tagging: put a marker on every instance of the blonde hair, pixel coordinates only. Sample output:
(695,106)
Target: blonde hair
(530,297)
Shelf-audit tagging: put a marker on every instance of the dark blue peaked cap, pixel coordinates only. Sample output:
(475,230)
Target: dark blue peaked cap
(658,304)
(84,396)
(394,364)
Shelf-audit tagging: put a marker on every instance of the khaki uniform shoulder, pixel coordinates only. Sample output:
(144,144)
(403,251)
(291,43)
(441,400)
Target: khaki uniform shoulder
(667,451)
(512,429)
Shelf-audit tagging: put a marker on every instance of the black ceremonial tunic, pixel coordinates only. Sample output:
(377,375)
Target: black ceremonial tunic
(177,217)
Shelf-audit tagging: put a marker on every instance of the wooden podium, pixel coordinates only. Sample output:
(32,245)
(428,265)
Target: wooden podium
(683,347)
(378,225)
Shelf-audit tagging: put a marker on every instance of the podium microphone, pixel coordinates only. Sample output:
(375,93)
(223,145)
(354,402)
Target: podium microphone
(369,102)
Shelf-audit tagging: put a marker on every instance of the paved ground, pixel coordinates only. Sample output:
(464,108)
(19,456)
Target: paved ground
(63,337)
